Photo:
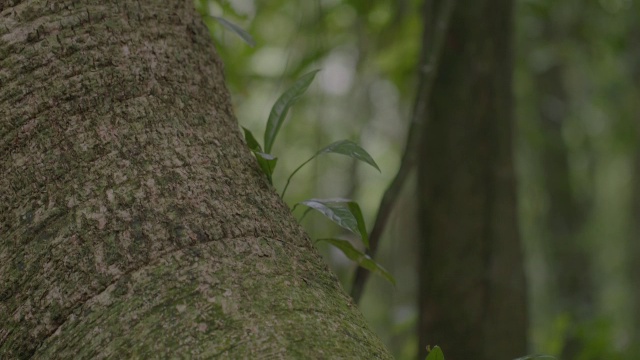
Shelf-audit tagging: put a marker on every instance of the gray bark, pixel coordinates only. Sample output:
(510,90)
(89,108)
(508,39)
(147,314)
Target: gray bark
(134,222)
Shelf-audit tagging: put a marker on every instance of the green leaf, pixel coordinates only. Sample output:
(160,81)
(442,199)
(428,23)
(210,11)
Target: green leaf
(281,107)
(532,357)
(251,140)
(350,149)
(435,354)
(265,156)
(343,212)
(267,163)
(236,29)
(354,208)
(361,259)
(344,147)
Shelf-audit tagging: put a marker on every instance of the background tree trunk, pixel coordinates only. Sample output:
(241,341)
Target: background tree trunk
(633,245)
(134,221)
(472,289)
(570,289)
(568,252)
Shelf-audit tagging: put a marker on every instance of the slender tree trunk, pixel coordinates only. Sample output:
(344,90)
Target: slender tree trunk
(569,287)
(634,240)
(472,288)
(633,249)
(134,222)
(569,256)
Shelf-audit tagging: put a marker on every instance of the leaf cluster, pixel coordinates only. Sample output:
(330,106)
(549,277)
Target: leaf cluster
(344,212)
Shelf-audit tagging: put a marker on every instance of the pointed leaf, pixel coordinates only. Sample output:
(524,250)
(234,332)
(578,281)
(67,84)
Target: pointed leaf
(354,208)
(265,156)
(251,140)
(236,29)
(304,214)
(267,163)
(344,147)
(343,212)
(350,149)
(435,354)
(361,259)
(281,107)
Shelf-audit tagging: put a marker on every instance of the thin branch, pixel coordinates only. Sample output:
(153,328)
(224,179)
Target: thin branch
(427,71)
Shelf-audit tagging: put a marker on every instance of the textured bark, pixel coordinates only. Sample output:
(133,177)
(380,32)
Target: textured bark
(472,288)
(134,222)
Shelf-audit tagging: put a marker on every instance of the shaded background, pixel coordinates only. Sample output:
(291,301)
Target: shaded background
(577,119)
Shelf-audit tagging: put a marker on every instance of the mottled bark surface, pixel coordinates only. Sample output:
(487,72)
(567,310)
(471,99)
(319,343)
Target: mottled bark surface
(134,221)
(473,295)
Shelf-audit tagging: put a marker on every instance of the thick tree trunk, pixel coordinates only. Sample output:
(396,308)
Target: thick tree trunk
(473,295)
(134,221)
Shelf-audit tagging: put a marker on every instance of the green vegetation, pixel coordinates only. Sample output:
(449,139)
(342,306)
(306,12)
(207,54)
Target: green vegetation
(343,212)
(576,88)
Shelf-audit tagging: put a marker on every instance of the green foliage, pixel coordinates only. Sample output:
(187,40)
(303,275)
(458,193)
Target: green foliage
(379,42)
(351,149)
(236,29)
(348,215)
(214,9)
(281,107)
(266,161)
(435,354)
(344,147)
(358,257)
(595,334)
(344,212)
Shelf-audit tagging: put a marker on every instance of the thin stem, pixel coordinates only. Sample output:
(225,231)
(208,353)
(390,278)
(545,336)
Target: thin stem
(303,215)
(293,173)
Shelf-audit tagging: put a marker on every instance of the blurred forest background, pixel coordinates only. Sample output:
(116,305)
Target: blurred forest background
(576,123)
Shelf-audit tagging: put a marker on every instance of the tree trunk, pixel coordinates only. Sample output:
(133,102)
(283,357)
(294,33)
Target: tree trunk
(571,264)
(472,288)
(134,221)
(634,242)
